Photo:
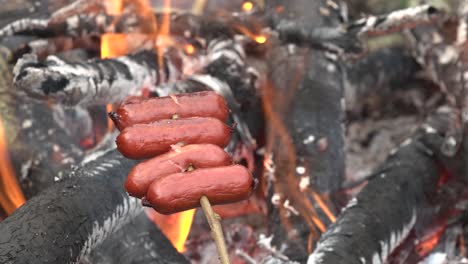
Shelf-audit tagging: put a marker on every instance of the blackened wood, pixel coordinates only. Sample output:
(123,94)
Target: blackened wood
(67,221)
(307,97)
(138,242)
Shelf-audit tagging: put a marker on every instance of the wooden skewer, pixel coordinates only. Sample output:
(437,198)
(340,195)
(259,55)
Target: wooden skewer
(216,230)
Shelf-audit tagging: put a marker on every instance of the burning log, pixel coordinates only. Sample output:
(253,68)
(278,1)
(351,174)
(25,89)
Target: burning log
(82,211)
(97,82)
(397,198)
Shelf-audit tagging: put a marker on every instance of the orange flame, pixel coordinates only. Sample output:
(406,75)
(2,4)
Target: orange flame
(428,243)
(323,206)
(113,45)
(164,31)
(175,227)
(114,7)
(11,196)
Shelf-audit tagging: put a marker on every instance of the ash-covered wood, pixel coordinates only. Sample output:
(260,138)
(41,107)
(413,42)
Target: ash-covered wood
(399,197)
(66,222)
(99,81)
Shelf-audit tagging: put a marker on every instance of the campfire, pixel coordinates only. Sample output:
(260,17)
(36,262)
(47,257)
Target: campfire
(344,122)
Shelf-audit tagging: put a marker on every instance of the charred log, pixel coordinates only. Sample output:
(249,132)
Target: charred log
(399,197)
(66,222)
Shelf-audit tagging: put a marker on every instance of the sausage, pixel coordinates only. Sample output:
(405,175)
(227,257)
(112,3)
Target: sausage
(201,104)
(142,141)
(198,156)
(182,191)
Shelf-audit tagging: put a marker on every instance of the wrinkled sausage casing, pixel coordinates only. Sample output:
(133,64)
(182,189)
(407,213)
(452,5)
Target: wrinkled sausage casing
(220,185)
(201,104)
(143,141)
(178,160)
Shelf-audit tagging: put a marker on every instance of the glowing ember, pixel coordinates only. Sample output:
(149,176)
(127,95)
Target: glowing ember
(260,39)
(189,49)
(247,6)
(175,227)
(11,196)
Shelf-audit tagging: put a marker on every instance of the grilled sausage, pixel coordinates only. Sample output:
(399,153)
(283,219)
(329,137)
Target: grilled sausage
(201,104)
(182,191)
(142,141)
(178,160)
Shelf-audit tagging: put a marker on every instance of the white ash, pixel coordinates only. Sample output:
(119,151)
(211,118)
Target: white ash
(300,170)
(310,139)
(304,183)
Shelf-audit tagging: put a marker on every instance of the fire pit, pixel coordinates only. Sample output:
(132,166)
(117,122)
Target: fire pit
(352,126)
